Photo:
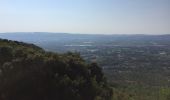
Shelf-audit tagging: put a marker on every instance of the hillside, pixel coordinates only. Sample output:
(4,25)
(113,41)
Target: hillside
(136,66)
(27,72)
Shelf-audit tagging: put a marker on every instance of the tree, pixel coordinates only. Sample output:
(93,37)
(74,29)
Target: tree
(37,75)
(5,54)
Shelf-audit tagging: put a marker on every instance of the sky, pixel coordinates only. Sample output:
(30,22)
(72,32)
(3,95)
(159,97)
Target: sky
(86,16)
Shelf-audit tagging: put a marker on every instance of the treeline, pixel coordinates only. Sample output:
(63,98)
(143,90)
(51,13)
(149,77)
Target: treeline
(27,72)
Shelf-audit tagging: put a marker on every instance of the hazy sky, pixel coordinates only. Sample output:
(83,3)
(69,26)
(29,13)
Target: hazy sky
(86,16)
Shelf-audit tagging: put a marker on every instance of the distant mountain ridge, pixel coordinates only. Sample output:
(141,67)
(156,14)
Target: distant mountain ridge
(15,35)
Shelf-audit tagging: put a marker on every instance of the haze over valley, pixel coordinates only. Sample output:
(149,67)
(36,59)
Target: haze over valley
(84,49)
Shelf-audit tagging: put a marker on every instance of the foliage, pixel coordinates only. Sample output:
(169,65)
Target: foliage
(27,72)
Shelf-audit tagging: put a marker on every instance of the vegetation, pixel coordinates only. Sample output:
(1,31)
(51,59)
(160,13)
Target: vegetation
(137,66)
(27,72)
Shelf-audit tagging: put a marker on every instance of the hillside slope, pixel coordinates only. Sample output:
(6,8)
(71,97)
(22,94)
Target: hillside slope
(27,72)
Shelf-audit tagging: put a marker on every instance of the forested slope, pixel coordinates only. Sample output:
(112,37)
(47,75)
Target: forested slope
(27,72)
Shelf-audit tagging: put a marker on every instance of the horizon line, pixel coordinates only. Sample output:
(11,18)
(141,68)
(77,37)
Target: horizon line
(88,33)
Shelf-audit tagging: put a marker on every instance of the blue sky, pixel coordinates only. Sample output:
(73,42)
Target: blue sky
(86,16)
